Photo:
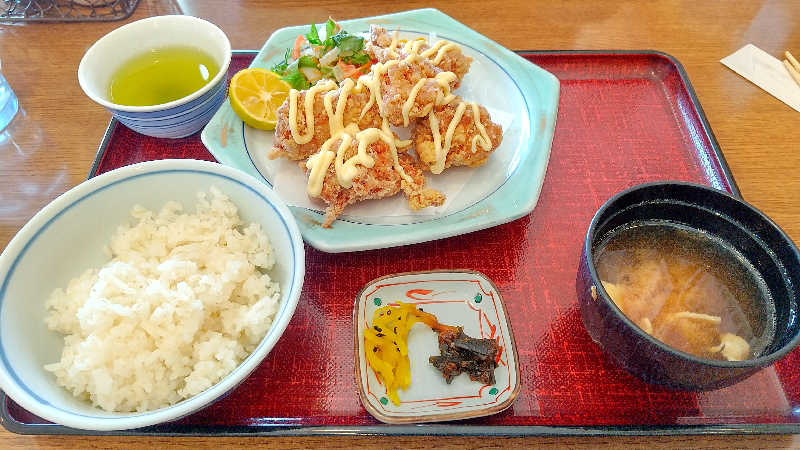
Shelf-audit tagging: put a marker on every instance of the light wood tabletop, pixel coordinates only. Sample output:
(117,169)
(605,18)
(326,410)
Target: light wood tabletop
(50,146)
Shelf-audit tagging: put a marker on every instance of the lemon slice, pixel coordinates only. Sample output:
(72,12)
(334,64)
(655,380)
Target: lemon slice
(256,95)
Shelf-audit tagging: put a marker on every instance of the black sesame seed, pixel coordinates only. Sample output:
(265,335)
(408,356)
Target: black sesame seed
(377,329)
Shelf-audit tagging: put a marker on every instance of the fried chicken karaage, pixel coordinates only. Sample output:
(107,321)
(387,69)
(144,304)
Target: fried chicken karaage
(408,90)
(444,55)
(342,132)
(348,170)
(309,135)
(451,136)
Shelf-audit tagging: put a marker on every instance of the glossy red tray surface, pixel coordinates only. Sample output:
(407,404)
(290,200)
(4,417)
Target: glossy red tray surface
(623,119)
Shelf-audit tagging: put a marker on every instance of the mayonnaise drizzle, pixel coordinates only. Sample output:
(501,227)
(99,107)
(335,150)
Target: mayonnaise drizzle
(371,135)
(443,79)
(319,163)
(347,170)
(369,103)
(393,44)
(412,95)
(441,151)
(336,118)
(486,144)
(427,53)
(373,82)
(397,142)
(448,136)
(440,48)
(309,106)
(412,49)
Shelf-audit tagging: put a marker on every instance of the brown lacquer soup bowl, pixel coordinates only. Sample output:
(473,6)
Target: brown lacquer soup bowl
(749,235)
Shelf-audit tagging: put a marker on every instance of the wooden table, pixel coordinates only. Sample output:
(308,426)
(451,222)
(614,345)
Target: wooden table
(52,144)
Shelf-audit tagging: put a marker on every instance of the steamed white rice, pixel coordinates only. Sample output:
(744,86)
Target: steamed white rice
(183,300)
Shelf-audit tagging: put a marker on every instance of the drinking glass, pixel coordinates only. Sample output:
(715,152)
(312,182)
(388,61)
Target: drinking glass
(8,102)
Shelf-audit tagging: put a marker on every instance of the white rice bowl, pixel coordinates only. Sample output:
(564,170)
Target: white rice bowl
(230,332)
(185,298)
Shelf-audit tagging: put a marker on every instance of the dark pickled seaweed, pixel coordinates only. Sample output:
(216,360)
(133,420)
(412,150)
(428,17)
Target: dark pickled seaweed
(460,353)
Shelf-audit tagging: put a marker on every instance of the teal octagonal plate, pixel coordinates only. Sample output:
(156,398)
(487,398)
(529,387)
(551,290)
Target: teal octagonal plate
(520,96)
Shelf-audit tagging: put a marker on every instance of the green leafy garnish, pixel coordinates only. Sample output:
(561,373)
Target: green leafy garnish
(307,61)
(313,36)
(350,51)
(359,59)
(347,43)
(296,80)
(281,67)
(294,77)
(328,44)
(330,27)
(330,41)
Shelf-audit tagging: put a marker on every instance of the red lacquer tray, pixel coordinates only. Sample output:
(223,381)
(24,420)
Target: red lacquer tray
(624,118)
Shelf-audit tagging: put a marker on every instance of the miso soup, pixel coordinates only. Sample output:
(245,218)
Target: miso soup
(688,289)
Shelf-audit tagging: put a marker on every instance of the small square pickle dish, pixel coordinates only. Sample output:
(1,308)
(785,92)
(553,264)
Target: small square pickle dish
(465,299)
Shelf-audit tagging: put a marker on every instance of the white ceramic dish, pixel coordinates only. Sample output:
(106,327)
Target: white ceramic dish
(518,94)
(460,298)
(177,118)
(67,237)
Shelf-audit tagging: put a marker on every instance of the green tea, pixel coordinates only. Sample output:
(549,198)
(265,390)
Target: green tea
(161,76)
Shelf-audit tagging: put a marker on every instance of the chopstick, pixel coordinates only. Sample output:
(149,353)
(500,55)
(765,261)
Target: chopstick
(792,66)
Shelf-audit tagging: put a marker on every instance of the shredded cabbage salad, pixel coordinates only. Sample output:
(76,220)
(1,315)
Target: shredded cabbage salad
(339,56)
